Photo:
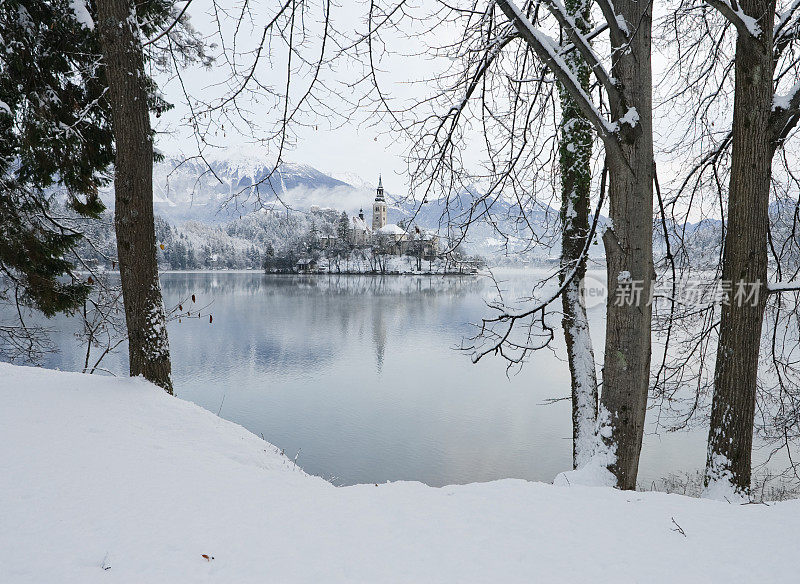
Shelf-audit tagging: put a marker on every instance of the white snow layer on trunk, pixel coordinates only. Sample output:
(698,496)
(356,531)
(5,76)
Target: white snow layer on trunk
(157,340)
(583,366)
(720,482)
(595,472)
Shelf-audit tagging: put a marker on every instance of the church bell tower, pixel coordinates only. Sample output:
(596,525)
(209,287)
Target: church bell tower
(379,208)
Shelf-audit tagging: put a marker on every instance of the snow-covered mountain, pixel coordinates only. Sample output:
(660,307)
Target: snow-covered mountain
(225,189)
(216,191)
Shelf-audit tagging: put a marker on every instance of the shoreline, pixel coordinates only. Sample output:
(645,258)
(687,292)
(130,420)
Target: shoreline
(391,273)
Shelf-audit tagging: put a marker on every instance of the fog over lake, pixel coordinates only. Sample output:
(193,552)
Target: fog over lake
(360,375)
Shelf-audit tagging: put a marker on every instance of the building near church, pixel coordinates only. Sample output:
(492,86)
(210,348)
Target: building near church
(360,233)
(368,245)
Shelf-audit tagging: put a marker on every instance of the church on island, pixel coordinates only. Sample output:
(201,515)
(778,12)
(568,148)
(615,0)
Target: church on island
(389,238)
(358,245)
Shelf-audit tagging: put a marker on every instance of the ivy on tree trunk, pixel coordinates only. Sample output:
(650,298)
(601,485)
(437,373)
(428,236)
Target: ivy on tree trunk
(575,151)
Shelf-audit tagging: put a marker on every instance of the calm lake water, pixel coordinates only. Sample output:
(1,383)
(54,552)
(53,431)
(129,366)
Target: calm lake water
(360,375)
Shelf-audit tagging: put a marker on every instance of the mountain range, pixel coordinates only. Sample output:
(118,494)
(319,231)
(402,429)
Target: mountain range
(205,195)
(242,185)
(221,190)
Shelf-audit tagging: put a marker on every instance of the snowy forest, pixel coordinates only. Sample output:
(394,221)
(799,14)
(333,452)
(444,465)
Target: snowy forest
(644,154)
(193,245)
(271,241)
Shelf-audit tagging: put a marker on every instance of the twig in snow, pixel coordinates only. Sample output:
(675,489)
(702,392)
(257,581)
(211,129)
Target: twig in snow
(678,528)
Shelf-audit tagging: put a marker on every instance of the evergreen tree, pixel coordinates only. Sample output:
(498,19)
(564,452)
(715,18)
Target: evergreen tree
(191,260)
(343,228)
(54,133)
(312,243)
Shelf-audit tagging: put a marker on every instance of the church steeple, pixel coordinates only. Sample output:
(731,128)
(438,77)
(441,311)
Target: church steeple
(379,195)
(379,207)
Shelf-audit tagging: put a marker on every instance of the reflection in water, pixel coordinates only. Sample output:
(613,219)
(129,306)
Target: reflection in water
(359,374)
(378,336)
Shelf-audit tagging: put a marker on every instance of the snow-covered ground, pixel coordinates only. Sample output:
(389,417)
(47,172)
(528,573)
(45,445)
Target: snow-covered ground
(111,480)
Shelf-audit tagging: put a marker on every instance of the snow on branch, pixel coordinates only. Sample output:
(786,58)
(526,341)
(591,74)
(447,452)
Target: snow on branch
(600,29)
(789,100)
(581,43)
(784,18)
(616,23)
(545,48)
(730,9)
(785,32)
(773,287)
(81,13)
(786,113)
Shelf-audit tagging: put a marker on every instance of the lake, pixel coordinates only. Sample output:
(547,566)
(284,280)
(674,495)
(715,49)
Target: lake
(360,379)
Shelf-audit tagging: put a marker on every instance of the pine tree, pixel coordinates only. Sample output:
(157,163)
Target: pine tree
(313,237)
(343,228)
(54,132)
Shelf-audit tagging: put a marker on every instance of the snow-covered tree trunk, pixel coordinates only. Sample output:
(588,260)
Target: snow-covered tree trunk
(628,141)
(133,176)
(744,257)
(629,243)
(575,151)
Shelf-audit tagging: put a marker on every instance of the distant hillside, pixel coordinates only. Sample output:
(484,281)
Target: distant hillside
(239,184)
(203,201)
(223,190)
(234,210)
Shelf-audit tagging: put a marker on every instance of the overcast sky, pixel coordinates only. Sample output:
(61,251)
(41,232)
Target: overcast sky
(355,147)
(358,146)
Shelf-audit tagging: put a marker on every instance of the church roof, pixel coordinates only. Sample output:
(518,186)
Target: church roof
(391,229)
(360,224)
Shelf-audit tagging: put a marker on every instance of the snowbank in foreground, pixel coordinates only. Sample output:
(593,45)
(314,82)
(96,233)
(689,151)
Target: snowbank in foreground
(113,473)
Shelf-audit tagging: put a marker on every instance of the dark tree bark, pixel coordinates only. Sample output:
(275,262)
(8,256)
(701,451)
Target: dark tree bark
(745,256)
(575,152)
(133,176)
(628,145)
(629,248)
